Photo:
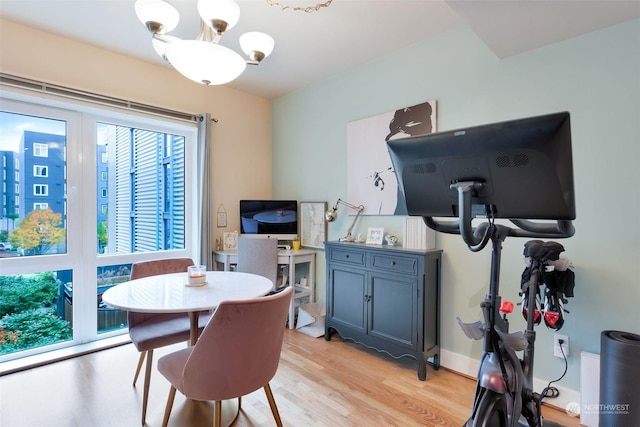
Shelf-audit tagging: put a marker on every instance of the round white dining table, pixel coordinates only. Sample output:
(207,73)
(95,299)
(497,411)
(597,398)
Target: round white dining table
(171,293)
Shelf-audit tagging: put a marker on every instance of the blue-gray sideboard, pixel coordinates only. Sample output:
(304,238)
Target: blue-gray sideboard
(386,298)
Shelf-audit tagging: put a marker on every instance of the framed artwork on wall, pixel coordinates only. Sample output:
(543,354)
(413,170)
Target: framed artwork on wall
(371,180)
(313,227)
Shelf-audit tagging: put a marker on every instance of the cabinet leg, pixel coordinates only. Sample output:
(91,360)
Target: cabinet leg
(436,361)
(422,369)
(327,334)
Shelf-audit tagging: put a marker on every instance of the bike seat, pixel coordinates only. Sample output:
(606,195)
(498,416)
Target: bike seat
(539,250)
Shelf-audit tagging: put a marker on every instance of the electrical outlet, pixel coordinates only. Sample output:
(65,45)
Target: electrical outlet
(556,345)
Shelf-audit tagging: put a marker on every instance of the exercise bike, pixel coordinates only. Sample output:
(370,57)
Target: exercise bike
(504,392)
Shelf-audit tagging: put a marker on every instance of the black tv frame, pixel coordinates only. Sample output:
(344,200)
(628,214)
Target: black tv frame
(520,170)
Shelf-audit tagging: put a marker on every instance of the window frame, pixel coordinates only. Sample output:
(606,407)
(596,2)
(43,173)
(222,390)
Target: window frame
(40,171)
(81,209)
(41,190)
(40,150)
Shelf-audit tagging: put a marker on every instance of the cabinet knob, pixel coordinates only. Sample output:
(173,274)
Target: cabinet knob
(393,263)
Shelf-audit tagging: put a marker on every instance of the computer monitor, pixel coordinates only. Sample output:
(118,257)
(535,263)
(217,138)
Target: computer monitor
(524,168)
(269,219)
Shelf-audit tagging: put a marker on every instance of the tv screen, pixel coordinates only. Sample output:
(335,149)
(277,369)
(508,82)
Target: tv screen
(524,165)
(269,218)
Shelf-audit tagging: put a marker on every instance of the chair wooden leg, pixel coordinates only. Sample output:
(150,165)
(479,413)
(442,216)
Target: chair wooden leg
(167,409)
(217,414)
(147,381)
(272,404)
(140,361)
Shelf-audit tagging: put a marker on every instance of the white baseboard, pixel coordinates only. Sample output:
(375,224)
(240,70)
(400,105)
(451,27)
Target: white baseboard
(468,366)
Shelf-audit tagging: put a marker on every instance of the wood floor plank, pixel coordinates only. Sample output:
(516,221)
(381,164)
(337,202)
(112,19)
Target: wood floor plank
(319,383)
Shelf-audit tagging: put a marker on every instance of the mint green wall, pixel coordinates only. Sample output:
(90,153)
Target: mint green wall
(596,77)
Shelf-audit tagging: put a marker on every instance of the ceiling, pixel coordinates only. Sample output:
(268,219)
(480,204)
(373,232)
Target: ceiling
(311,47)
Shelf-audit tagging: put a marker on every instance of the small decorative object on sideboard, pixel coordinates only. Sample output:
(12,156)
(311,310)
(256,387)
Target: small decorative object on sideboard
(391,240)
(375,236)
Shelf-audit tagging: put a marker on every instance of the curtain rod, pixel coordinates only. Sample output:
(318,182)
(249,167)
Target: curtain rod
(66,92)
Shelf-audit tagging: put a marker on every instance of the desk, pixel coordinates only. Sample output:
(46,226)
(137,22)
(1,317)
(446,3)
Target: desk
(289,259)
(167,293)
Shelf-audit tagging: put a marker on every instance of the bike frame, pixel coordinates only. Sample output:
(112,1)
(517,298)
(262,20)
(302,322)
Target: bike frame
(501,371)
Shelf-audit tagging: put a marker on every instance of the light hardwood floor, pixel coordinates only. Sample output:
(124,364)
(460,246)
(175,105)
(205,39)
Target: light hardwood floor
(319,383)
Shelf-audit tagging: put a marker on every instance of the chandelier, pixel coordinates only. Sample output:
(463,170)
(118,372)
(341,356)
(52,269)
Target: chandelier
(203,60)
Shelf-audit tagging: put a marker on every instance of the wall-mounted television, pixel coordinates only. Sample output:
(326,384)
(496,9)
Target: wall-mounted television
(269,218)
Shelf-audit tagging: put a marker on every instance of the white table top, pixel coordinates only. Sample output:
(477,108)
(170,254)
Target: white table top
(168,293)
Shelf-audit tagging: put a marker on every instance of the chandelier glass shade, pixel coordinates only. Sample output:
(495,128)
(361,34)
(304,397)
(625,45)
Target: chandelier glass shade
(151,12)
(214,12)
(203,60)
(256,46)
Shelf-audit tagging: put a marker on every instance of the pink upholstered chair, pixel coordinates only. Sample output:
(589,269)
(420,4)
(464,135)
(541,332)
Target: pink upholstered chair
(237,353)
(152,330)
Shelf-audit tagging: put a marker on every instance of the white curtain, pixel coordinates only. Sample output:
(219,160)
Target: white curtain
(205,226)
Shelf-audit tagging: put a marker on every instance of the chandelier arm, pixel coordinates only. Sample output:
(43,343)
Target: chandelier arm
(160,37)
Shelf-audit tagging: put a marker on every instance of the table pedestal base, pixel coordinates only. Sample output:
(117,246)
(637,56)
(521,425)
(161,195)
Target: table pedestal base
(194,413)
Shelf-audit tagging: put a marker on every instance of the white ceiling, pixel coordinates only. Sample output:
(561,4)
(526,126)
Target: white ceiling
(311,47)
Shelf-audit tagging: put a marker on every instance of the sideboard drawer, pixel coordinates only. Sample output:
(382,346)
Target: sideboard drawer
(348,256)
(398,264)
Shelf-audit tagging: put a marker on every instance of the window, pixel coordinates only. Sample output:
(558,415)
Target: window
(148,170)
(40,189)
(139,195)
(40,150)
(40,171)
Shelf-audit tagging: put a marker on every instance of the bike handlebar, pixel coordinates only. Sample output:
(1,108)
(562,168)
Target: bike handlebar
(477,237)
